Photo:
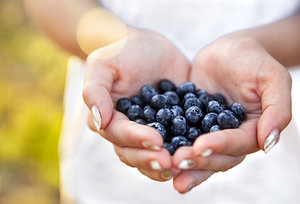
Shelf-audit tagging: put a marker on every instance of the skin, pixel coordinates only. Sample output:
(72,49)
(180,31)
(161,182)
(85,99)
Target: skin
(251,60)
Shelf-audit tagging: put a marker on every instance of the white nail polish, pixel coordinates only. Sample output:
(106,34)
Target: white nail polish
(149,145)
(96,117)
(206,153)
(186,164)
(166,174)
(155,165)
(271,140)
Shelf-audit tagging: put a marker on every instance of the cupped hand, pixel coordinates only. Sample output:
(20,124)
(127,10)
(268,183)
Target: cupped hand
(242,70)
(145,59)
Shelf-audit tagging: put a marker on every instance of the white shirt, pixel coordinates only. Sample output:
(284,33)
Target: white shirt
(91,173)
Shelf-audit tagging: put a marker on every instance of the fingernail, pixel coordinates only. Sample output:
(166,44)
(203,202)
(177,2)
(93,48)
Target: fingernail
(271,140)
(155,165)
(186,164)
(206,153)
(166,174)
(96,117)
(190,187)
(149,145)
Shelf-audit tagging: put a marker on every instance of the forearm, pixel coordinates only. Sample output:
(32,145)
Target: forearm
(281,39)
(79,26)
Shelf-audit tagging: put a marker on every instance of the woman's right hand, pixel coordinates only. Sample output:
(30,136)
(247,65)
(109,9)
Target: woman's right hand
(145,59)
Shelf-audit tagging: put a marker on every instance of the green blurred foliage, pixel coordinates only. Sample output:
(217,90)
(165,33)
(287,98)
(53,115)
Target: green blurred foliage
(32,74)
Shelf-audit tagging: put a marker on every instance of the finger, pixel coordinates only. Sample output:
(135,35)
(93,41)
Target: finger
(276,106)
(145,159)
(185,159)
(235,142)
(157,175)
(186,180)
(126,133)
(96,93)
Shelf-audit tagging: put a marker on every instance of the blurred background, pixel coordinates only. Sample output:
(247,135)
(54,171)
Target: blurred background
(32,74)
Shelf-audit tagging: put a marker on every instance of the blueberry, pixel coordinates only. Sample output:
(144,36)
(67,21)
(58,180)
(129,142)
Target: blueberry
(169,147)
(178,125)
(172,98)
(192,102)
(159,101)
(134,112)
(147,92)
(176,140)
(205,98)
(186,87)
(187,96)
(164,116)
(238,110)
(226,120)
(123,105)
(176,111)
(215,128)
(184,143)
(220,98)
(208,121)
(137,100)
(192,134)
(160,128)
(140,121)
(149,114)
(214,107)
(199,92)
(165,85)
(193,115)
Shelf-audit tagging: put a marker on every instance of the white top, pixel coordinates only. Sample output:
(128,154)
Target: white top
(91,173)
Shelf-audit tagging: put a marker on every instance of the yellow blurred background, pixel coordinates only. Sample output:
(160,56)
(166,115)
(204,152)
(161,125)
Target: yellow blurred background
(32,74)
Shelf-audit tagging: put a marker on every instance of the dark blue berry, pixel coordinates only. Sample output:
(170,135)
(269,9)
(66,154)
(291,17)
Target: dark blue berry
(205,98)
(159,101)
(134,112)
(149,114)
(164,116)
(214,107)
(172,98)
(169,147)
(187,96)
(147,92)
(238,110)
(215,128)
(186,87)
(193,133)
(176,111)
(140,121)
(176,140)
(220,98)
(137,100)
(193,115)
(199,92)
(178,125)
(208,121)
(123,105)
(184,143)
(227,120)
(192,102)
(160,128)
(165,85)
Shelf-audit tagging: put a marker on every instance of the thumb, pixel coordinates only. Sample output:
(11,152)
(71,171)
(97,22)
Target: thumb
(97,91)
(276,106)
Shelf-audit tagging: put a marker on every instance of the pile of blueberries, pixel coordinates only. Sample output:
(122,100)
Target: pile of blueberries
(181,114)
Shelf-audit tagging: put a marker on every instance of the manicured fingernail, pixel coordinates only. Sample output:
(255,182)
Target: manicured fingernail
(166,174)
(186,164)
(96,117)
(271,140)
(190,187)
(155,165)
(149,145)
(206,153)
